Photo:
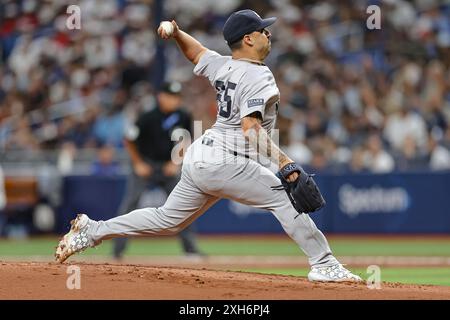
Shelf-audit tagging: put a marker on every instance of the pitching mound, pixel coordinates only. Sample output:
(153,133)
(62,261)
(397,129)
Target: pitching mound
(39,280)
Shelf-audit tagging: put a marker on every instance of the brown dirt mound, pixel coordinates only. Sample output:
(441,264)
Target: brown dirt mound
(40,280)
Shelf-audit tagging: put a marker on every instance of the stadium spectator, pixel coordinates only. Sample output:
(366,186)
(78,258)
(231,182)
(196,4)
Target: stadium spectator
(109,125)
(439,156)
(105,164)
(410,156)
(376,158)
(357,162)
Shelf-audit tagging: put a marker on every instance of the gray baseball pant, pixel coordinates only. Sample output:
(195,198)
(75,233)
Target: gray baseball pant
(135,187)
(208,174)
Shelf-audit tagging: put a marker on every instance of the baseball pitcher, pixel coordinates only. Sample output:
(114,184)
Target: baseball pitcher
(224,162)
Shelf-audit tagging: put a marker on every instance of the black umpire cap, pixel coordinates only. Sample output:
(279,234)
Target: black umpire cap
(244,22)
(173,87)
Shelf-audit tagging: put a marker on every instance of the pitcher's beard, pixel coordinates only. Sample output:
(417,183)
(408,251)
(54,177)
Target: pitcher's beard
(267,51)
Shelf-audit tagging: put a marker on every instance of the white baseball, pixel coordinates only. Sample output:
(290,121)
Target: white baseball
(167,27)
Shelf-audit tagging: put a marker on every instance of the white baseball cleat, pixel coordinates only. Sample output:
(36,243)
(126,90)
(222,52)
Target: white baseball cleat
(335,273)
(76,240)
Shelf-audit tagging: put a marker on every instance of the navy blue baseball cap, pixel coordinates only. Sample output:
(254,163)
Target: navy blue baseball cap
(244,22)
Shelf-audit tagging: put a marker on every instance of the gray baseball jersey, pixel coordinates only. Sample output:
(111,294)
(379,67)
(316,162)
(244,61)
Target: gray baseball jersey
(242,88)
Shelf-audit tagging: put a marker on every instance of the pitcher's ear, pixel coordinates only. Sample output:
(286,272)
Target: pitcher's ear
(248,40)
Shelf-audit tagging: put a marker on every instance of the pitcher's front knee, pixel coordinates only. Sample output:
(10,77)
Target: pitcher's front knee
(172,230)
(167,224)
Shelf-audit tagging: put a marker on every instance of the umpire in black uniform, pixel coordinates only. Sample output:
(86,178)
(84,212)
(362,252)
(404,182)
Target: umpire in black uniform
(149,145)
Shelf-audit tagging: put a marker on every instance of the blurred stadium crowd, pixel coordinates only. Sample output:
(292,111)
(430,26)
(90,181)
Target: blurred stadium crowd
(352,99)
